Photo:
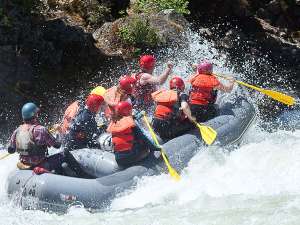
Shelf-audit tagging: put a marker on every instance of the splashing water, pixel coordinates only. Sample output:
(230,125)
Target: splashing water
(258,183)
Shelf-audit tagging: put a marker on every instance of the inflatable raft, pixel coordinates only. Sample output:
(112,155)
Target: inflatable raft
(57,193)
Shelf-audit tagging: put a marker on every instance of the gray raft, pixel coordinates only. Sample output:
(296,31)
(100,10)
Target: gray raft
(57,193)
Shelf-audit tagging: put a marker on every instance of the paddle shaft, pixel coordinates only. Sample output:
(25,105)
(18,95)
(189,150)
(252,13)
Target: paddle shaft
(172,172)
(278,96)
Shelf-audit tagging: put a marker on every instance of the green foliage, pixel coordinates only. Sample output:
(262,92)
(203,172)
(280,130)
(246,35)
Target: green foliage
(4,19)
(139,33)
(153,6)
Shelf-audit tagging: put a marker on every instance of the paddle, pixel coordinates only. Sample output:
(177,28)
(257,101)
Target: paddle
(283,98)
(208,134)
(172,171)
(4,156)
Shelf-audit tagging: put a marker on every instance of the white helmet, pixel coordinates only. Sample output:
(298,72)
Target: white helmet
(105,141)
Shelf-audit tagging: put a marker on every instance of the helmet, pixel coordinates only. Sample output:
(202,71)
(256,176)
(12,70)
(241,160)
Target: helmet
(93,102)
(126,83)
(99,90)
(124,109)
(147,62)
(205,67)
(29,111)
(105,142)
(178,83)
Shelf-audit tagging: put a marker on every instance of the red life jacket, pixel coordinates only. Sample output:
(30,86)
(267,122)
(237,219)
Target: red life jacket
(69,115)
(166,100)
(142,93)
(202,91)
(122,133)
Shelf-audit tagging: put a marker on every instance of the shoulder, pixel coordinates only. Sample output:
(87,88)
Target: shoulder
(40,128)
(145,76)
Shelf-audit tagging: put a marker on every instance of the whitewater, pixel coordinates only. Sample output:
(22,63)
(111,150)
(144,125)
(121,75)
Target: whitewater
(257,183)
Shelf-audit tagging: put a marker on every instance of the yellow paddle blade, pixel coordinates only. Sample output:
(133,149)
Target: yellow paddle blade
(283,98)
(4,156)
(208,134)
(172,172)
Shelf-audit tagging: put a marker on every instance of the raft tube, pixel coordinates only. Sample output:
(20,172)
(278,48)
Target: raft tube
(57,193)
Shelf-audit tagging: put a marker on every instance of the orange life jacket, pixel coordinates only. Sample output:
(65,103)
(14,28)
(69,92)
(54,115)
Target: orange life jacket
(69,115)
(142,93)
(166,100)
(122,133)
(202,90)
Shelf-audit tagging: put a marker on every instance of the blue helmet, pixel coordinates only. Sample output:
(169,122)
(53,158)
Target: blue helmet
(29,110)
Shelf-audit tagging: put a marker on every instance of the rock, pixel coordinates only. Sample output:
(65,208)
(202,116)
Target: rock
(282,21)
(274,7)
(241,8)
(263,13)
(169,26)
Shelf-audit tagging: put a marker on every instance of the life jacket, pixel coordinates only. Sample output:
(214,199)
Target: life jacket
(69,115)
(122,133)
(202,91)
(25,143)
(167,104)
(142,93)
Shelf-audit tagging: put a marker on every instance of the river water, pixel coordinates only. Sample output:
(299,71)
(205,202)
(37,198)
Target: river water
(258,183)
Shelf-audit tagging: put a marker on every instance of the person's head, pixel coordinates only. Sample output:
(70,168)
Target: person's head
(124,109)
(205,67)
(29,111)
(93,102)
(177,83)
(99,90)
(126,84)
(147,63)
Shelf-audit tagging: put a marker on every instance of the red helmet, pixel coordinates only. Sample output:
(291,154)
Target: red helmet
(124,109)
(147,62)
(178,83)
(126,83)
(205,67)
(93,102)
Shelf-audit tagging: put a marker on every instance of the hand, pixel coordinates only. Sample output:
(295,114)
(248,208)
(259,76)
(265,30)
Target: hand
(193,119)
(194,66)
(170,65)
(231,79)
(55,127)
(40,170)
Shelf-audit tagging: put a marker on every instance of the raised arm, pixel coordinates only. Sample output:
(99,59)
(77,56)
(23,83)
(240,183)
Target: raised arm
(149,79)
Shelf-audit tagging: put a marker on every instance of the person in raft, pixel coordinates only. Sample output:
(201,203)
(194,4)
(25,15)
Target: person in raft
(31,140)
(129,142)
(72,110)
(146,83)
(204,91)
(172,116)
(84,130)
(114,95)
